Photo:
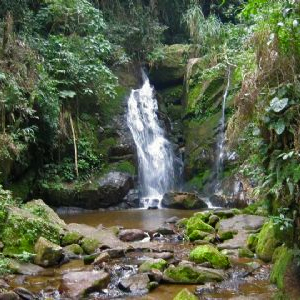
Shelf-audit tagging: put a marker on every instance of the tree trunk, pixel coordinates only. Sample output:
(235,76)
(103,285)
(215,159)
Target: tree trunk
(75,147)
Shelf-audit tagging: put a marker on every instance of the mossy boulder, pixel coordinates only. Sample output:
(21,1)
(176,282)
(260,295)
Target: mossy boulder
(208,253)
(170,68)
(196,223)
(90,245)
(158,264)
(73,249)
(226,235)
(197,235)
(47,253)
(270,237)
(185,294)
(189,274)
(283,261)
(71,237)
(22,229)
(245,252)
(252,241)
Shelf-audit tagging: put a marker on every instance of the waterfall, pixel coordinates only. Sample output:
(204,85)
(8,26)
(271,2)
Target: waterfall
(221,137)
(156,158)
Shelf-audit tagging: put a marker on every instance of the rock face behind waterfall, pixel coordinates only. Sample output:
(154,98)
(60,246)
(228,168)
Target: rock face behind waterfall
(179,200)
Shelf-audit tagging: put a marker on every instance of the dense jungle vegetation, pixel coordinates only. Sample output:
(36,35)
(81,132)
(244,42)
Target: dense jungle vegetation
(62,65)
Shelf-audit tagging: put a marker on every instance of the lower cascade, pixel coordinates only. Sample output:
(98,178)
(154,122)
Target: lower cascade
(156,157)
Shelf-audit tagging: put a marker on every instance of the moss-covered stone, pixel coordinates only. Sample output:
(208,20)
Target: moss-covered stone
(213,220)
(270,237)
(252,241)
(71,237)
(196,223)
(74,249)
(226,235)
(282,263)
(245,252)
(208,253)
(191,275)
(185,294)
(90,245)
(22,230)
(197,235)
(47,253)
(182,222)
(158,264)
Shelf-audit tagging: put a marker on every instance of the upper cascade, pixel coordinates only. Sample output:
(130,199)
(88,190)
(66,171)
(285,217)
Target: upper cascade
(156,157)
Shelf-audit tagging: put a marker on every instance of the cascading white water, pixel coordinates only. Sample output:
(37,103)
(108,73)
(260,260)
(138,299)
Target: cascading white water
(155,153)
(221,137)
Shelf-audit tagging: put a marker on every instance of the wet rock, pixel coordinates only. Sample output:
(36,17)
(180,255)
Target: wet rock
(153,204)
(158,264)
(155,275)
(79,284)
(24,268)
(103,257)
(88,259)
(162,255)
(165,230)
(71,237)
(116,252)
(73,249)
(185,294)
(132,199)
(172,220)
(208,253)
(179,200)
(9,296)
(137,284)
(224,213)
(90,245)
(3,284)
(120,150)
(47,253)
(228,201)
(130,235)
(191,274)
(24,293)
(152,285)
(205,289)
(182,222)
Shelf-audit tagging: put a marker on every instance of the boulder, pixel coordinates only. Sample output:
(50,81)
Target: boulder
(23,228)
(190,274)
(73,249)
(165,230)
(245,252)
(185,294)
(24,294)
(130,235)
(90,245)
(270,237)
(180,200)
(137,284)
(80,284)
(197,235)
(101,258)
(157,264)
(196,223)
(208,253)
(9,296)
(170,69)
(47,253)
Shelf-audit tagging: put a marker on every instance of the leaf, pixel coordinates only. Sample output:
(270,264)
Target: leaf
(279,127)
(67,94)
(278,105)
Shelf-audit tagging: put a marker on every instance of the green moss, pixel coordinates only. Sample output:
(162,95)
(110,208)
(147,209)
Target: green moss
(226,235)
(196,223)
(197,235)
(71,237)
(198,182)
(189,275)
(245,252)
(252,241)
(261,208)
(270,237)
(208,253)
(158,264)
(185,294)
(282,263)
(106,144)
(90,245)
(74,249)
(22,230)
(171,94)
(124,166)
